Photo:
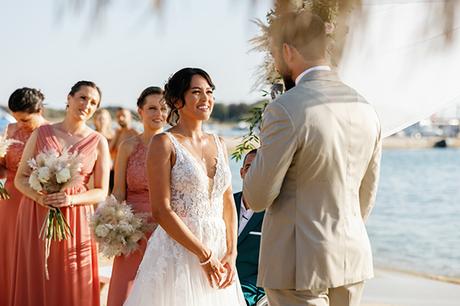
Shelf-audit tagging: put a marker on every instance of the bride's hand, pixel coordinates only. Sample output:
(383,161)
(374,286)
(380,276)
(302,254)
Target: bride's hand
(229,263)
(214,270)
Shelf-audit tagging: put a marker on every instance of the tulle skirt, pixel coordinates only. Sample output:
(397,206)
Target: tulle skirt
(170,275)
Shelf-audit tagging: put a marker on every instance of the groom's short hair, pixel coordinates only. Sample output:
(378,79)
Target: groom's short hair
(253,151)
(300,29)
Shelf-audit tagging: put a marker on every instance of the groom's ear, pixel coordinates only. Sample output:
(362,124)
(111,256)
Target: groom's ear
(288,53)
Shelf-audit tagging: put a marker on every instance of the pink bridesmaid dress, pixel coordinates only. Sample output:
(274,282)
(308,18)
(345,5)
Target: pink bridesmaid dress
(137,195)
(72,264)
(8,214)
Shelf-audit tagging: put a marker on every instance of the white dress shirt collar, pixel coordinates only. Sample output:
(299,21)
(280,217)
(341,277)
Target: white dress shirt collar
(245,215)
(314,68)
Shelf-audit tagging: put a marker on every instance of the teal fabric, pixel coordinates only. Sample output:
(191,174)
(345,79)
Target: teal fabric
(247,261)
(252,294)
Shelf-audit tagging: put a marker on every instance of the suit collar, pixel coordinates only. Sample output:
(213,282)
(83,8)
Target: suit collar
(252,223)
(237,197)
(310,70)
(319,75)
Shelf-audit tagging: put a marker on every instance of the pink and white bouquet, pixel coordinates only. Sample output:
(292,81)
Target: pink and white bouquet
(5,143)
(52,172)
(117,229)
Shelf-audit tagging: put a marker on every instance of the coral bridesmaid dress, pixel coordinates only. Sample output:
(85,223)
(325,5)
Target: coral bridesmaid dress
(8,214)
(72,264)
(137,195)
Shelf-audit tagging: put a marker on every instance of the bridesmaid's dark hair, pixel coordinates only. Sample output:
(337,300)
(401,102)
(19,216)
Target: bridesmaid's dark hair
(176,87)
(152,90)
(28,100)
(77,86)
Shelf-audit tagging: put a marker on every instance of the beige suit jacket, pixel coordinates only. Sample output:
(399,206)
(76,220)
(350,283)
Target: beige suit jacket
(316,174)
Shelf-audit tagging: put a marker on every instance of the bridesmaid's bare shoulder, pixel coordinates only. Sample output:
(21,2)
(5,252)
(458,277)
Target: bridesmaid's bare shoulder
(127,145)
(11,129)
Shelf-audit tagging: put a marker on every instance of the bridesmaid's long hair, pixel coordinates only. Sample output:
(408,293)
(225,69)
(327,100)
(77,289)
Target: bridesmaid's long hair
(176,87)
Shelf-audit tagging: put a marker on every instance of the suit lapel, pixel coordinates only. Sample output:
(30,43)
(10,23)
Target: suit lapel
(237,198)
(253,222)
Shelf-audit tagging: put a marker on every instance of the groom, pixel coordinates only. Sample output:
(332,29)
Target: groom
(316,175)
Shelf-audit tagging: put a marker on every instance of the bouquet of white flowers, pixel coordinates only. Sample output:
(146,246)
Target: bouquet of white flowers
(117,229)
(5,143)
(51,173)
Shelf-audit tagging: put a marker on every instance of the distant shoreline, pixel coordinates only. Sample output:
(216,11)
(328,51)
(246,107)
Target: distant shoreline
(389,143)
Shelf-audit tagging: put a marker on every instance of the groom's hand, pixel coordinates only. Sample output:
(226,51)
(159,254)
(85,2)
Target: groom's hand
(228,262)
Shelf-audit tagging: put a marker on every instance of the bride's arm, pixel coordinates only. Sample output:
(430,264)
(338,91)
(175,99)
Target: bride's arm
(159,164)
(229,215)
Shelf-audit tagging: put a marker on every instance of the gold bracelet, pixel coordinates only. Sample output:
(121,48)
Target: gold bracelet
(207,260)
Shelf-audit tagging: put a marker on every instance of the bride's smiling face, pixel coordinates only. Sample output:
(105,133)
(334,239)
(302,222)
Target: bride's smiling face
(199,100)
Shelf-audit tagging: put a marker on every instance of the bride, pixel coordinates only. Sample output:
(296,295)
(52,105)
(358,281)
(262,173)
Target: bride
(190,258)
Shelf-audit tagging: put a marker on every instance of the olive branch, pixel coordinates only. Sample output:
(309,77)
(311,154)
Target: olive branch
(251,139)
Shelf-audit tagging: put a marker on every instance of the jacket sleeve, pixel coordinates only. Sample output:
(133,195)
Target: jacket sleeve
(265,177)
(369,183)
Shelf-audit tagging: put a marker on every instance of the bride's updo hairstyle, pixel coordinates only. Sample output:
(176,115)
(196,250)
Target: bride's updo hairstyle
(177,86)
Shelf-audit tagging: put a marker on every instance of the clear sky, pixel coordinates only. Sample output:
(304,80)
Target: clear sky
(47,44)
(406,73)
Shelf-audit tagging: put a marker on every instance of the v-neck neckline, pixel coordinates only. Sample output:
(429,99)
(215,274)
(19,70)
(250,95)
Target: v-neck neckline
(195,160)
(72,146)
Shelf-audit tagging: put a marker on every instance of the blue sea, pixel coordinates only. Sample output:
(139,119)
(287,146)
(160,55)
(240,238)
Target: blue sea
(415,225)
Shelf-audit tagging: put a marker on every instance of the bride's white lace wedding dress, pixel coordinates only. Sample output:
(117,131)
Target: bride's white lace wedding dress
(169,274)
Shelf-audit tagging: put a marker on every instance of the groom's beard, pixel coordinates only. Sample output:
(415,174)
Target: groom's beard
(288,82)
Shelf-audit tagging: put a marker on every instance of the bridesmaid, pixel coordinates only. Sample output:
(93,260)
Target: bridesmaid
(26,105)
(131,185)
(72,264)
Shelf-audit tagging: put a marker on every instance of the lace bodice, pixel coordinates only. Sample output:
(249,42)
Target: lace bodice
(136,177)
(137,190)
(192,195)
(14,153)
(169,273)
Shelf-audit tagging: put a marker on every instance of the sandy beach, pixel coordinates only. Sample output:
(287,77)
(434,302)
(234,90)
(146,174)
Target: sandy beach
(387,288)
(392,288)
